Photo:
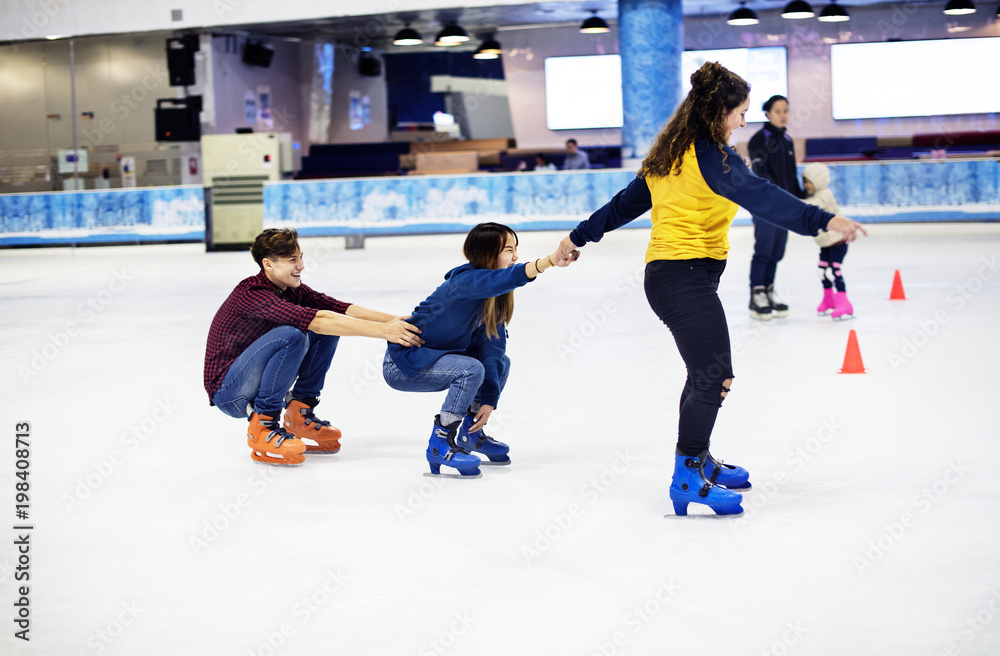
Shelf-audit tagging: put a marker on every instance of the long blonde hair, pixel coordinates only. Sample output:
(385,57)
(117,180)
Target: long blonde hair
(482,248)
(715,91)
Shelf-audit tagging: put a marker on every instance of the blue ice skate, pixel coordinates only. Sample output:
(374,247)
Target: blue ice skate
(442,450)
(690,486)
(482,443)
(730,477)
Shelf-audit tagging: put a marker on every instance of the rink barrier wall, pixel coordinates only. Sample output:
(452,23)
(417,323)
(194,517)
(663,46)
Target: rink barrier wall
(148,214)
(883,192)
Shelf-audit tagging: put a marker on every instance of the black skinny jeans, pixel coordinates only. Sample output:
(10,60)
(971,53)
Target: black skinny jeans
(684,295)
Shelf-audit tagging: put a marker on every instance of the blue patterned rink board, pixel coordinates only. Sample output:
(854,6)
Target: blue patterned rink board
(871,192)
(147,214)
(876,192)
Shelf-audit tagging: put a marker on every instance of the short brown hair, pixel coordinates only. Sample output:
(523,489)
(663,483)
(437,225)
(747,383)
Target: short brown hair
(274,242)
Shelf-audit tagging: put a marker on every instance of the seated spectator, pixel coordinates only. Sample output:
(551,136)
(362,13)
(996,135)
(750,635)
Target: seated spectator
(575,158)
(542,163)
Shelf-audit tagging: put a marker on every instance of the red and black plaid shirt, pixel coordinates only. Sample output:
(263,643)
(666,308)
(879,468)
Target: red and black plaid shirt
(254,308)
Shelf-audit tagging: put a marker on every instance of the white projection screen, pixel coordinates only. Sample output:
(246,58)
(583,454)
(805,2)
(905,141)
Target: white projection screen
(766,69)
(915,78)
(586,92)
(583,92)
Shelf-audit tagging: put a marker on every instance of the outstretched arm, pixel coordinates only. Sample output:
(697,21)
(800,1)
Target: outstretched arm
(395,330)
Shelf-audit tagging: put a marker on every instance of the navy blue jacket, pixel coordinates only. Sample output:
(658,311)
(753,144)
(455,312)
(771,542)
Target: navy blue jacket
(451,322)
(759,196)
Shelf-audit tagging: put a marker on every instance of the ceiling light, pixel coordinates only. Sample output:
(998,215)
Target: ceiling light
(959,7)
(743,16)
(407,37)
(798,9)
(451,35)
(834,13)
(489,49)
(594,25)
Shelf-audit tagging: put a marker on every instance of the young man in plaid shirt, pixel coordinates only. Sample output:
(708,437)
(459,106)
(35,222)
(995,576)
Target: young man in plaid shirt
(274,332)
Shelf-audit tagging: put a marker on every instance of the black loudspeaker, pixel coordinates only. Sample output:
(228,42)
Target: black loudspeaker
(257,54)
(369,66)
(180,59)
(177,119)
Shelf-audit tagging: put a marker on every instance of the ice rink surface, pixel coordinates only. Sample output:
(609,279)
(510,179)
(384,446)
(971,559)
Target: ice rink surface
(873,526)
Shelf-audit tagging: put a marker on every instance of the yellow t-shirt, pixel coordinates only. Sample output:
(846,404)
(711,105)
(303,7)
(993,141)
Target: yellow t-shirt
(689,219)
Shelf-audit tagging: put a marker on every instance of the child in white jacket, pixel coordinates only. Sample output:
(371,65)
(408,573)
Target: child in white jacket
(815,182)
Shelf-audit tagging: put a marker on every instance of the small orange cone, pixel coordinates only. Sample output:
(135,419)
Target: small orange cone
(852,358)
(897,293)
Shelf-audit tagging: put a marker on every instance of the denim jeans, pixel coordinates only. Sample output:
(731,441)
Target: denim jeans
(263,374)
(684,295)
(768,248)
(461,375)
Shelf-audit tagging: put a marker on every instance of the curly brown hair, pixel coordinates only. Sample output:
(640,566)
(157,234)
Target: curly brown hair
(715,91)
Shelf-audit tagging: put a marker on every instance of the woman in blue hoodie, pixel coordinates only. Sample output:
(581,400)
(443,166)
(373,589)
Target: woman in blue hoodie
(463,325)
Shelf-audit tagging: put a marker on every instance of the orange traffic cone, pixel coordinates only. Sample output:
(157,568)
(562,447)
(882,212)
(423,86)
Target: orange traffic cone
(897,293)
(852,358)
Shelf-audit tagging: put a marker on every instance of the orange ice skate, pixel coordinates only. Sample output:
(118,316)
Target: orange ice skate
(272,444)
(303,424)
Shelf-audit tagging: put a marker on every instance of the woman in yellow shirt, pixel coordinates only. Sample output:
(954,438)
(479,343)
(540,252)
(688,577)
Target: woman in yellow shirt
(693,181)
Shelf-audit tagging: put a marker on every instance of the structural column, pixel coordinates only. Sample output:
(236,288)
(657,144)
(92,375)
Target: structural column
(650,41)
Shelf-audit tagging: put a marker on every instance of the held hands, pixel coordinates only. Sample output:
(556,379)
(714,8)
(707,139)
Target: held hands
(566,254)
(481,417)
(398,331)
(847,227)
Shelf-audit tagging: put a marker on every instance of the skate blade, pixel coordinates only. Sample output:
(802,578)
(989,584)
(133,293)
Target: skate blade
(273,461)
(709,515)
(760,317)
(269,463)
(479,475)
(324,452)
(844,317)
(779,315)
(490,463)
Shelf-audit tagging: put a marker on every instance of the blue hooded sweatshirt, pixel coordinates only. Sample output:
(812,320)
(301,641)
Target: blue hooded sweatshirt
(451,322)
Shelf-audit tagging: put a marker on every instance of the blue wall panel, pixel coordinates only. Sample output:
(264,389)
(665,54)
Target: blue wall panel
(99,216)
(877,192)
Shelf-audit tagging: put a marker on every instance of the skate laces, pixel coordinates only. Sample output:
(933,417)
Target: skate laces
(276,430)
(310,418)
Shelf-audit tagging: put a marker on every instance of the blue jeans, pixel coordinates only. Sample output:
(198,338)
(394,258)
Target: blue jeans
(264,373)
(684,295)
(768,248)
(461,375)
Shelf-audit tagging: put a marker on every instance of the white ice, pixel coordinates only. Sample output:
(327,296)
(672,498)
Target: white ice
(873,527)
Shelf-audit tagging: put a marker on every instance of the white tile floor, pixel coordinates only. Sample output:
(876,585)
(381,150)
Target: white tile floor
(872,529)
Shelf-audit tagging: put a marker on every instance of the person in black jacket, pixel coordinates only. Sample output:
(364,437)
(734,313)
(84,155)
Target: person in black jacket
(772,157)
